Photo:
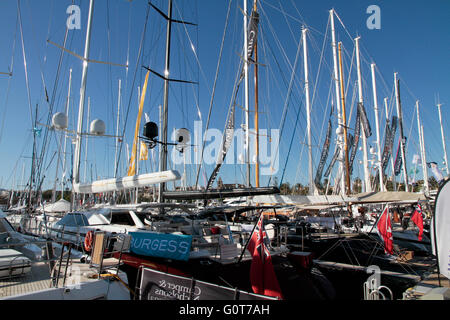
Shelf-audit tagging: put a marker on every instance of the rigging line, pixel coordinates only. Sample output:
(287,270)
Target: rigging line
(287,23)
(9,80)
(109,59)
(38,53)
(193,48)
(277,9)
(213,93)
(290,144)
(283,118)
(51,104)
(25,64)
(386,87)
(320,63)
(324,120)
(132,87)
(345,29)
(276,39)
(303,19)
(313,123)
(300,158)
(191,70)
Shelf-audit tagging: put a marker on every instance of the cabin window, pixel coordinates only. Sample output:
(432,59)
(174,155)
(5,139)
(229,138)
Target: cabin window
(123,218)
(73,220)
(142,216)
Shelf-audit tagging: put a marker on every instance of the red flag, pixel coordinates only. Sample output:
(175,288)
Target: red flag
(385,230)
(262,275)
(417,218)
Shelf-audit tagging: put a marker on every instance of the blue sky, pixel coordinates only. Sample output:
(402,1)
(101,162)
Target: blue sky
(413,41)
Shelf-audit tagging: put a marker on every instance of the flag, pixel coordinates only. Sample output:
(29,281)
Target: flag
(436,172)
(417,218)
(384,227)
(132,164)
(262,275)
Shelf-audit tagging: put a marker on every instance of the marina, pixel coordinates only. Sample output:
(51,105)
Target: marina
(311,190)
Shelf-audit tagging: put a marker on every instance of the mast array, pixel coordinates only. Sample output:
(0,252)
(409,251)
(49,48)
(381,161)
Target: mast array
(339,130)
(344,125)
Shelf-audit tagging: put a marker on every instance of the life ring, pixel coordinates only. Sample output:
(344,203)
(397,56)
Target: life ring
(88,239)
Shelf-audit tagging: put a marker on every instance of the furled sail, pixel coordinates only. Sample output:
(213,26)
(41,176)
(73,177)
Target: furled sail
(324,155)
(226,143)
(388,142)
(365,120)
(333,160)
(398,159)
(355,140)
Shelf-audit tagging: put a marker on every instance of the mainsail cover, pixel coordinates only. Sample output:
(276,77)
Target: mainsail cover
(355,140)
(398,159)
(226,143)
(365,120)
(388,142)
(324,155)
(333,160)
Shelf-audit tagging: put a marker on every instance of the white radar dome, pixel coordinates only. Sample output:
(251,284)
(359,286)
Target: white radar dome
(97,127)
(59,121)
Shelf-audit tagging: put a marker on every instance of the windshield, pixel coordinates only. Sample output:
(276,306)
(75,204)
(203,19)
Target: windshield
(73,220)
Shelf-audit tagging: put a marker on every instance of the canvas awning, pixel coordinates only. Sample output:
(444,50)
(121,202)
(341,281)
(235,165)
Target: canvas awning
(59,206)
(390,196)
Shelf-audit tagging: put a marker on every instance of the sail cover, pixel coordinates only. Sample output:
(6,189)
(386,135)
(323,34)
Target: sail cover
(388,142)
(365,120)
(226,143)
(324,155)
(398,159)
(439,229)
(333,160)
(355,141)
(252,34)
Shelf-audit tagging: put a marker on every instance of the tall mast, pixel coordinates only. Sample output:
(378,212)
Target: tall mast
(377,126)
(255,8)
(339,130)
(368,186)
(443,138)
(246,101)
(392,155)
(65,135)
(344,117)
(422,152)
(76,168)
(308,113)
(117,127)
(400,122)
(163,154)
(86,144)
